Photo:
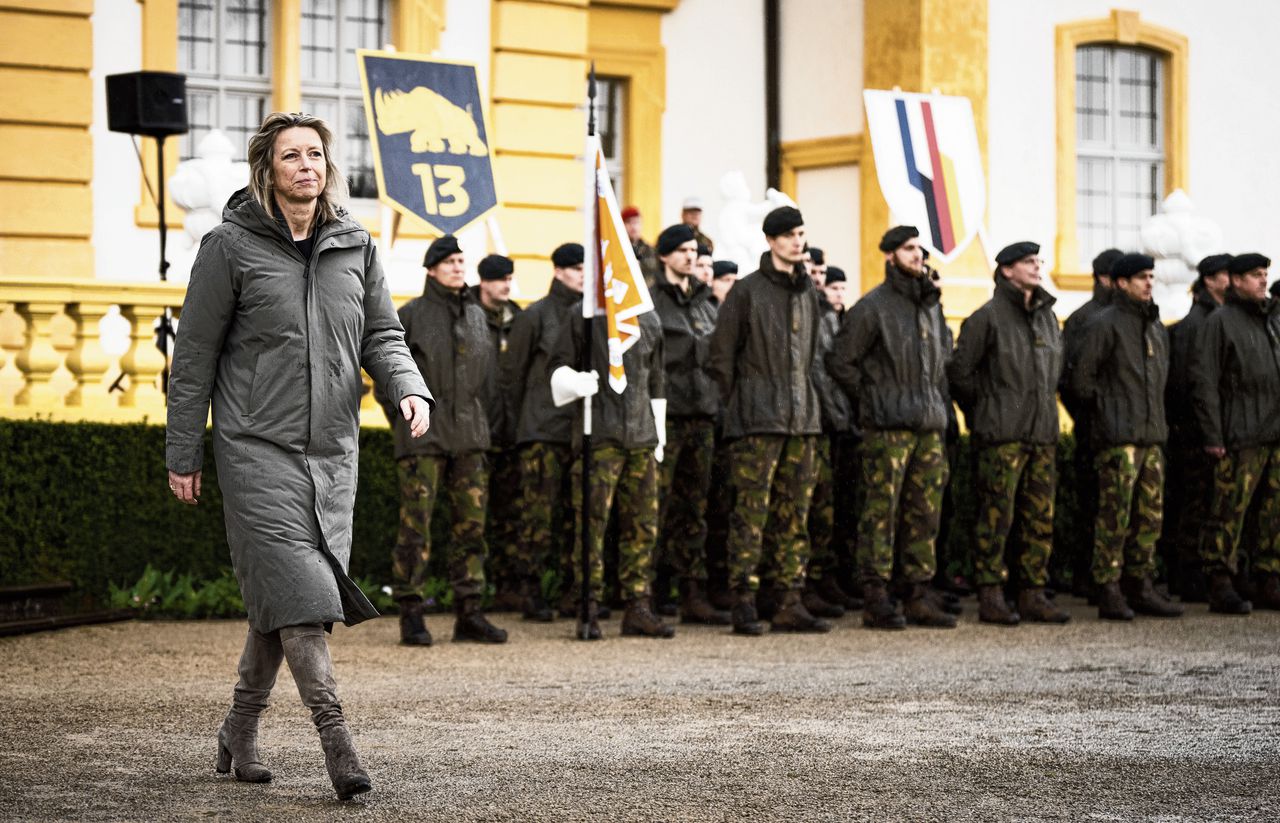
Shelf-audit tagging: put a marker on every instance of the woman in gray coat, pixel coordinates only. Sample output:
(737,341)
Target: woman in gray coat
(287,303)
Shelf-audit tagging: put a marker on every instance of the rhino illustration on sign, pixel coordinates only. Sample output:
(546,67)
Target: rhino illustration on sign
(433,120)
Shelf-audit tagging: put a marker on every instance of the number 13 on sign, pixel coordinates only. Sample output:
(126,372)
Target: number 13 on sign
(442,188)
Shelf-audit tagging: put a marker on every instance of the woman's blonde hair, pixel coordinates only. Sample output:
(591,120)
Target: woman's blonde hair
(261,152)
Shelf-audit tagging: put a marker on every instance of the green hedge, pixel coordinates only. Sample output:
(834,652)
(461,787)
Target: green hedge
(89,503)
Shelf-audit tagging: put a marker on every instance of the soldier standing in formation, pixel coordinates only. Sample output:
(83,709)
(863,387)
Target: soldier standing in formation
(823,595)
(1074,332)
(448,338)
(1189,480)
(544,431)
(683,305)
(1235,383)
(645,256)
(1121,374)
(493,294)
(724,273)
(1004,375)
(691,216)
(890,358)
(627,436)
(761,355)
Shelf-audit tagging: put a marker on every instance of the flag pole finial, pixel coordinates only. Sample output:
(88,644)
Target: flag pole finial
(591,99)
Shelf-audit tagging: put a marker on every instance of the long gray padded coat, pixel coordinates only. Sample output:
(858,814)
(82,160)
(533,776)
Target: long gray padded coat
(277,343)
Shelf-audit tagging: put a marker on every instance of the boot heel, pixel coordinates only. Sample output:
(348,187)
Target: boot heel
(224,759)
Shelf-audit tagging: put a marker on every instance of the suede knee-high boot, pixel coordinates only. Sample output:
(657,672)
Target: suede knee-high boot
(238,735)
(308,654)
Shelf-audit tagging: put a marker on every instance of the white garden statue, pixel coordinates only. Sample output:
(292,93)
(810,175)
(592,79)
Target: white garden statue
(1178,239)
(739,237)
(204,184)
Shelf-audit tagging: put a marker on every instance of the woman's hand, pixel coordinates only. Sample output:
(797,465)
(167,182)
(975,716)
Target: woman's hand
(418,412)
(186,487)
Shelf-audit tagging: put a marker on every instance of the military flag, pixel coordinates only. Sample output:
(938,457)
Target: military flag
(613,286)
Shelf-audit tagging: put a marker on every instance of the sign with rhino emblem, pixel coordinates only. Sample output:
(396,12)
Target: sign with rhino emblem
(429,138)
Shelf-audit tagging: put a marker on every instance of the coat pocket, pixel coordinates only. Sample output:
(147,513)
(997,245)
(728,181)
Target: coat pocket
(255,387)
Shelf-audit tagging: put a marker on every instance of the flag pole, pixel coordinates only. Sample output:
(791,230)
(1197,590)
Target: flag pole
(592,247)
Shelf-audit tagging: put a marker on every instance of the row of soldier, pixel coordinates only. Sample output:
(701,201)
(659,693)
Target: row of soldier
(749,397)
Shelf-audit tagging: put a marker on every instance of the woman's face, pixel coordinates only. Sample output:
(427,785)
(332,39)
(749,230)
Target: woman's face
(297,165)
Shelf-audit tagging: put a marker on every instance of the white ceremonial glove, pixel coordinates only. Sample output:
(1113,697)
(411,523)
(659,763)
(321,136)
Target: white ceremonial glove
(660,423)
(568,385)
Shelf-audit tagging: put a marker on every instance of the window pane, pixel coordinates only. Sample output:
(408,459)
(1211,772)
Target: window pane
(241,117)
(1137,74)
(196,30)
(244,42)
(320,41)
(325,109)
(357,153)
(201,117)
(1093,207)
(364,26)
(1093,92)
(1137,199)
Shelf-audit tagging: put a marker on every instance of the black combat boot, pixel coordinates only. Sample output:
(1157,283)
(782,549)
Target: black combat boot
(819,606)
(1268,594)
(832,592)
(1143,598)
(1036,607)
(696,608)
(921,609)
(745,619)
(878,611)
(792,616)
(534,606)
(413,629)
(590,628)
(471,624)
(1111,602)
(767,600)
(640,621)
(1223,597)
(944,600)
(992,607)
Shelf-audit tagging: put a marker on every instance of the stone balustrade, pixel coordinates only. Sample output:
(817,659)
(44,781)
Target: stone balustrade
(85,350)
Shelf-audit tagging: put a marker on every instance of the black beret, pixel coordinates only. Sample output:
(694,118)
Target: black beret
(495,267)
(1104,261)
(1249,261)
(782,220)
(817,255)
(1130,264)
(1016,251)
(439,249)
(673,237)
(835,274)
(1275,289)
(896,236)
(568,255)
(723,268)
(703,251)
(1213,264)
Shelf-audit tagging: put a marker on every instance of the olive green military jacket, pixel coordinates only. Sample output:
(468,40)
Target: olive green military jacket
(1005,369)
(1235,374)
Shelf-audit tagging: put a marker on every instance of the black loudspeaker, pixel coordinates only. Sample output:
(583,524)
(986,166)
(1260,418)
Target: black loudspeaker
(153,103)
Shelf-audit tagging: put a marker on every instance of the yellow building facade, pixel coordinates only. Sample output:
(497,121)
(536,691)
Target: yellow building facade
(535,57)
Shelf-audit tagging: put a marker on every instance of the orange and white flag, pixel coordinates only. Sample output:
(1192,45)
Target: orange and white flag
(612,283)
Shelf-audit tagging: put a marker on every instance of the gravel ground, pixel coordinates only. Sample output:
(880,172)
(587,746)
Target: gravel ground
(1176,720)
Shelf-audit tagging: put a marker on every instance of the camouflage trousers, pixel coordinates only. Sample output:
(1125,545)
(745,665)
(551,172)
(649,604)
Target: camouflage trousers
(719,510)
(629,477)
(1130,512)
(904,474)
(822,514)
(544,530)
(464,479)
(772,477)
(1015,482)
(684,480)
(1238,478)
(502,529)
